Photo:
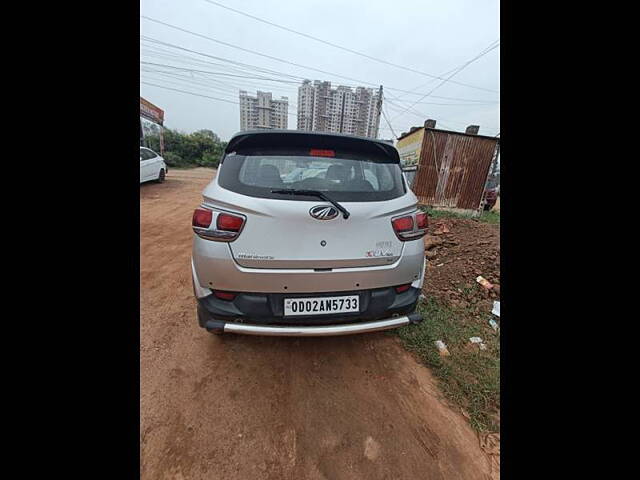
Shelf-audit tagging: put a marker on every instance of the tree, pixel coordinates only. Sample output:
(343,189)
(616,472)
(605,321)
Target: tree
(208,134)
(200,148)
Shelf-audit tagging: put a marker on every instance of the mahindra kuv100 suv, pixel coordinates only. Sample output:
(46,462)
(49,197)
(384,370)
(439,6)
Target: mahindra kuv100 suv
(334,252)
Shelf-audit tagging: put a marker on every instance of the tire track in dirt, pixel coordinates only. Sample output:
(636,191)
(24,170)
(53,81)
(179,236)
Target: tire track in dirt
(239,407)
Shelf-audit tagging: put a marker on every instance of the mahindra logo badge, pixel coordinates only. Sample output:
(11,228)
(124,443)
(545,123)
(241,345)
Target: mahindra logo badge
(323,212)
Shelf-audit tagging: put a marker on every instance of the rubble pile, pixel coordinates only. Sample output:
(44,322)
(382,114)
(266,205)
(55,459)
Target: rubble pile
(458,251)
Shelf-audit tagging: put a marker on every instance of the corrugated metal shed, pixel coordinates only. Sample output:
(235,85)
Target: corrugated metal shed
(453,168)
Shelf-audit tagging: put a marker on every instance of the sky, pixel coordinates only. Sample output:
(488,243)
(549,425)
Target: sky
(432,37)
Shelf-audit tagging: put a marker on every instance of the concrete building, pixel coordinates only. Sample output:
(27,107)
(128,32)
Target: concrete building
(341,110)
(262,111)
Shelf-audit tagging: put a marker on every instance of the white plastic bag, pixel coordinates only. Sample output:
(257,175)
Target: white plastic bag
(442,348)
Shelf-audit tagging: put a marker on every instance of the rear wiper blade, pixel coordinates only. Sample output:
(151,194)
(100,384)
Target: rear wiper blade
(314,193)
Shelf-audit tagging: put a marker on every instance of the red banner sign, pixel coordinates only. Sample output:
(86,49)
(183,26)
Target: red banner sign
(149,111)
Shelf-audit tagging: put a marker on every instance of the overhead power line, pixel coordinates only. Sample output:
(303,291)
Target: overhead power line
(198,83)
(157,45)
(271,57)
(210,82)
(488,49)
(386,62)
(190,93)
(290,82)
(396,108)
(253,51)
(233,62)
(384,114)
(159,51)
(197,94)
(154,52)
(217,73)
(463,99)
(448,104)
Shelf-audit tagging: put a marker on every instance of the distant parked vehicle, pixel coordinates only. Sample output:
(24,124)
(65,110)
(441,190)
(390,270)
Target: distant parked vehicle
(152,166)
(490,197)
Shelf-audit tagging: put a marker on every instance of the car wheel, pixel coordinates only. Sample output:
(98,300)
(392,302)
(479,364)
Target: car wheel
(161,176)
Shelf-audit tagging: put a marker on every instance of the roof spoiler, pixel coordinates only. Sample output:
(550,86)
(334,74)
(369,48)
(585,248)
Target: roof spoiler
(301,139)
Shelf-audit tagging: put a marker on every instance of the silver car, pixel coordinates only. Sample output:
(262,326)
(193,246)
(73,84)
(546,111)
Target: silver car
(328,254)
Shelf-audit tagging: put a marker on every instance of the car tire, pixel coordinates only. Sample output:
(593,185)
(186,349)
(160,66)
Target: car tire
(161,176)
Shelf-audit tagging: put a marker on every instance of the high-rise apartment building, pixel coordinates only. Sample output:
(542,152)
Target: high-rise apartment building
(325,109)
(262,111)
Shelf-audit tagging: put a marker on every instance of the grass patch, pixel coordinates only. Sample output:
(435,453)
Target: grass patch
(488,217)
(469,377)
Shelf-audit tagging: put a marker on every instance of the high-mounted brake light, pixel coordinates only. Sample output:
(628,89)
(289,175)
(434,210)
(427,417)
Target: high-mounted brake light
(214,225)
(316,152)
(411,226)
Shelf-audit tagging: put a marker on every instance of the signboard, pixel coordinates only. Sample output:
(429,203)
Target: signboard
(409,147)
(149,111)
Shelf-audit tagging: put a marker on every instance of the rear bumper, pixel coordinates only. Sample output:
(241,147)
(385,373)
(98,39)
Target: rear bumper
(268,308)
(311,331)
(263,313)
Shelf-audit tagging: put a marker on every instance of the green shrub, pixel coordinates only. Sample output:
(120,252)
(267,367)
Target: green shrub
(173,159)
(209,159)
(202,148)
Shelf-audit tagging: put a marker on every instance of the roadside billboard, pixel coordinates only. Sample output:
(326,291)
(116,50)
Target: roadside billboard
(409,147)
(154,114)
(149,111)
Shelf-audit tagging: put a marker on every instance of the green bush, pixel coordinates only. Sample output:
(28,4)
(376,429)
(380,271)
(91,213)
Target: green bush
(173,159)
(210,159)
(202,148)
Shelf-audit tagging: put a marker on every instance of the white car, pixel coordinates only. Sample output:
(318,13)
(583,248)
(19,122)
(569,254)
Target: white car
(152,166)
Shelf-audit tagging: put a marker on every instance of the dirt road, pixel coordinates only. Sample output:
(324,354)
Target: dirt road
(240,407)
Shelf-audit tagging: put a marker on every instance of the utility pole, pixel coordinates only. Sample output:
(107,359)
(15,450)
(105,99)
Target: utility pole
(378,112)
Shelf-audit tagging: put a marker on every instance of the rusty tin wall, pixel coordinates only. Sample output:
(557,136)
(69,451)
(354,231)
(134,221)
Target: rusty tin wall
(453,169)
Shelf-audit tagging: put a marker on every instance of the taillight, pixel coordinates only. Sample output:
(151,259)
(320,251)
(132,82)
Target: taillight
(411,226)
(403,224)
(229,223)
(422,220)
(220,226)
(202,218)
(224,295)
(403,288)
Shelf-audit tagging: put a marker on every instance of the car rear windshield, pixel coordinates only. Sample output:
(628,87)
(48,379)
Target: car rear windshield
(345,177)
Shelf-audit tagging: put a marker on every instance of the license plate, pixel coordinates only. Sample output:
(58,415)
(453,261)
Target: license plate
(321,305)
